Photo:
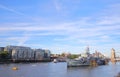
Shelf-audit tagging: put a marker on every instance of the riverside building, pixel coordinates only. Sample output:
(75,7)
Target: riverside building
(1,48)
(27,54)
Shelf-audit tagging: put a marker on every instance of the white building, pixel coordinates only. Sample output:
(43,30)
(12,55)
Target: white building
(19,52)
(39,54)
(32,55)
(1,48)
(47,54)
(86,53)
(26,53)
(22,53)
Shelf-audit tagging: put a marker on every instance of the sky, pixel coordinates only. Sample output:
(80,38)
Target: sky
(61,25)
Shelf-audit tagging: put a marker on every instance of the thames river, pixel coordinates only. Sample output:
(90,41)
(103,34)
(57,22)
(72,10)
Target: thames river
(51,69)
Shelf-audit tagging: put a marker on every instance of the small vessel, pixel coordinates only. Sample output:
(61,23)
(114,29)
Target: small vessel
(55,61)
(15,68)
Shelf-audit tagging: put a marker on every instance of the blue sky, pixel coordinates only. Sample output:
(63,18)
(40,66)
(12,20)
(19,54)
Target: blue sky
(61,25)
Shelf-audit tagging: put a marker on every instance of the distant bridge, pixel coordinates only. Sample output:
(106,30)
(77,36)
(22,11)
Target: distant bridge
(117,59)
(115,56)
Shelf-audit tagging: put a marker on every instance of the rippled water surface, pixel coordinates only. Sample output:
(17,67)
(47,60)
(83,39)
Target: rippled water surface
(57,70)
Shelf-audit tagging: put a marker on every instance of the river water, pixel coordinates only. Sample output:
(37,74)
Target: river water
(51,69)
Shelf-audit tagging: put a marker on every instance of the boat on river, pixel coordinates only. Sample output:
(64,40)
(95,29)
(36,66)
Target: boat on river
(85,62)
(87,59)
(55,60)
(77,63)
(15,68)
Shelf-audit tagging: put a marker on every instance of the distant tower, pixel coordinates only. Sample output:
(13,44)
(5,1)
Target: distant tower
(96,53)
(113,56)
(87,51)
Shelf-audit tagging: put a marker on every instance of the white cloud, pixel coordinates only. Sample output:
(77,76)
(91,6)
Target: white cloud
(26,17)
(57,5)
(109,20)
(77,30)
(87,30)
(10,9)
(19,40)
(105,37)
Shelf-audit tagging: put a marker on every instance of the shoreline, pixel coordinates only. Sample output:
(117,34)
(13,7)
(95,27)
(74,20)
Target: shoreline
(22,61)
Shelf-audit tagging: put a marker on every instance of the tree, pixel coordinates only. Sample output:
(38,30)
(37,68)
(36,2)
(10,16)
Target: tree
(63,54)
(4,54)
(73,56)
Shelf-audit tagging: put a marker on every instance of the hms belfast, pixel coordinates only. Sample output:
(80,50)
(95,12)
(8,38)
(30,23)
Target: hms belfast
(86,59)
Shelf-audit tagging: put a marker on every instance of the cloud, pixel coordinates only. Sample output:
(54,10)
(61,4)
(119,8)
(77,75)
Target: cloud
(109,20)
(33,28)
(17,40)
(20,40)
(73,30)
(93,31)
(65,7)
(23,39)
(51,33)
(57,5)
(10,9)
(25,16)
(105,37)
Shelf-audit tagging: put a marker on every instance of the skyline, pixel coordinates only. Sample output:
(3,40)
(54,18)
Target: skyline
(61,25)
